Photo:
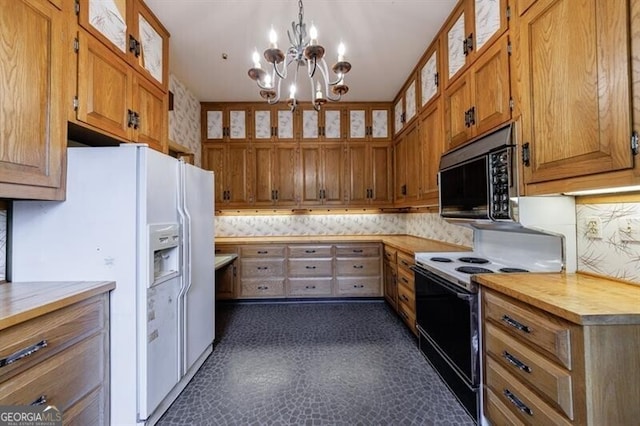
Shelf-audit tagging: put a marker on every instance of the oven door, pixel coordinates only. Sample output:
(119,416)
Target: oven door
(447,315)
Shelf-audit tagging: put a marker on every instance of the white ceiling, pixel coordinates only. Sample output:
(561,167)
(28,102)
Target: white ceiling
(384,40)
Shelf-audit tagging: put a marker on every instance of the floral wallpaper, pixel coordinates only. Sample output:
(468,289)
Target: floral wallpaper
(184,120)
(612,255)
(428,225)
(3,243)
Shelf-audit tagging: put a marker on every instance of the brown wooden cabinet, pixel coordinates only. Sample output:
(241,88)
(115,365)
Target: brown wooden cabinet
(430,74)
(399,287)
(276,180)
(273,123)
(480,99)
(33,131)
(328,124)
(131,31)
(408,161)
(405,106)
(573,123)
(322,174)
(370,177)
(369,122)
(225,122)
(390,271)
(431,144)
(230,163)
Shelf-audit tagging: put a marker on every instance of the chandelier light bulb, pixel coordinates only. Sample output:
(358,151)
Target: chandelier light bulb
(273,39)
(318,90)
(292,91)
(256,59)
(267,81)
(313,33)
(341,50)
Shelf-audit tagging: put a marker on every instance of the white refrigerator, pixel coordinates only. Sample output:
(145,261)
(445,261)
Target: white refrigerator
(145,221)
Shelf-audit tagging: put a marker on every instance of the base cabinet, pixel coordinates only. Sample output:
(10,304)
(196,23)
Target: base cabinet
(399,285)
(542,369)
(306,270)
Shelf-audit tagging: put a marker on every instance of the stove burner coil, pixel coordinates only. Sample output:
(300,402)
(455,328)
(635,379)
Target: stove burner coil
(441,259)
(473,270)
(477,260)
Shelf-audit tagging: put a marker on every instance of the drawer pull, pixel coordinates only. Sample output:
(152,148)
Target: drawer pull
(358,286)
(263,252)
(42,399)
(309,251)
(516,362)
(404,262)
(405,280)
(263,287)
(310,267)
(516,401)
(358,266)
(357,250)
(404,297)
(23,353)
(515,324)
(310,287)
(262,268)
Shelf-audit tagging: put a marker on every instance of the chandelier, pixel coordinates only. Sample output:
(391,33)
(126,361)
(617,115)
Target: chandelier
(304,51)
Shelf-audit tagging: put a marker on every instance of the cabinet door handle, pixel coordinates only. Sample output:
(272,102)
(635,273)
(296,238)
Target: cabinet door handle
(516,401)
(130,118)
(310,267)
(472,116)
(310,287)
(263,287)
(405,280)
(358,266)
(310,251)
(263,251)
(526,154)
(515,324)
(262,268)
(516,362)
(136,120)
(358,286)
(134,46)
(466,119)
(42,399)
(357,250)
(404,297)
(276,195)
(23,353)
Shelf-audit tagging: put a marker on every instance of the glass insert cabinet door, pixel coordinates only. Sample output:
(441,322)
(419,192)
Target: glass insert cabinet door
(357,126)
(487,20)
(285,124)
(262,124)
(428,79)
(151,49)
(410,101)
(109,19)
(214,125)
(455,39)
(380,123)
(309,124)
(397,112)
(332,124)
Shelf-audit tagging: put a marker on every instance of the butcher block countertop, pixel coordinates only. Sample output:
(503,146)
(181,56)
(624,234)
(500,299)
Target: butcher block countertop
(581,299)
(23,301)
(407,243)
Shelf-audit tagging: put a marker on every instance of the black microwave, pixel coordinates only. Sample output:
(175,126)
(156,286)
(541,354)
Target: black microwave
(478,181)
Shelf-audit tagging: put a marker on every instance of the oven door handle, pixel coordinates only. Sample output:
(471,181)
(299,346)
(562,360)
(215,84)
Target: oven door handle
(451,288)
(465,297)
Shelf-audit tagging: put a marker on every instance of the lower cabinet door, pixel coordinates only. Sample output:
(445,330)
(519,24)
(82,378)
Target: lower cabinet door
(262,288)
(310,287)
(358,286)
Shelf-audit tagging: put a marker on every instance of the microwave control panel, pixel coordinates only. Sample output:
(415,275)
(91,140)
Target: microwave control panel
(500,180)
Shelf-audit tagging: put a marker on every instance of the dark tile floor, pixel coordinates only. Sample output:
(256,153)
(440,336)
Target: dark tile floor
(314,363)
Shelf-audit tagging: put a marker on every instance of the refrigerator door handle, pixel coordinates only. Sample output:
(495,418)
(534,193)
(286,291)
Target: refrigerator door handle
(182,314)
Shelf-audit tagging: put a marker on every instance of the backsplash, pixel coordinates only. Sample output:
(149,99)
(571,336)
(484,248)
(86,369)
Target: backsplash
(609,255)
(428,225)
(184,120)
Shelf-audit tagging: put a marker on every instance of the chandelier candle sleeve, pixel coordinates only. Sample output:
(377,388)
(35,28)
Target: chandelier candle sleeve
(303,52)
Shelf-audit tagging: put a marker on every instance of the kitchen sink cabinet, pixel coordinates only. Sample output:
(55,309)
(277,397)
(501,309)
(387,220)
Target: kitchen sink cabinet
(576,128)
(32,116)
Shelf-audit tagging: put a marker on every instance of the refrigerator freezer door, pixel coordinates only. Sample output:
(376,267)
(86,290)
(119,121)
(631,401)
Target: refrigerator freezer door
(162,343)
(198,291)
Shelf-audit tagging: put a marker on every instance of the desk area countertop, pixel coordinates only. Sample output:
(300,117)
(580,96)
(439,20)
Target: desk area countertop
(22,301)
(407,243)
(222,260)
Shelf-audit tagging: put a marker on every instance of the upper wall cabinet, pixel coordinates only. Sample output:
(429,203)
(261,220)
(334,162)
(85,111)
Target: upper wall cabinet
(406,106)
(326,124)
(131,30)
(224,122)
(32,118)
(472,27)
(369,123)
(272,123)
(429,69)
(573,123)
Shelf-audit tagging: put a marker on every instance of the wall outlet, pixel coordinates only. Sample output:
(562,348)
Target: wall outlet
(593,227)
(629,229)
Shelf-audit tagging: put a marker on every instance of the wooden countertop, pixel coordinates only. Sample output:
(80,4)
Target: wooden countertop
(407,243)
(23,301)
(579,298)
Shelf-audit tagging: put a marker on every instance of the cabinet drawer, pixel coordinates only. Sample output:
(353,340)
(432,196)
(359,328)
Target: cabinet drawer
(300,287)
(551,381)
(310,251)
(540,329)
(390,254)
(406,279)
(262,288)
(62,379)
(497,412)
(255,268)
(407,297)
(405,261)
(523,403)
(90,410)
(358,250)
(59,329)
(365,286)
(358,266)
(310,267)
(408,316)
(262,251)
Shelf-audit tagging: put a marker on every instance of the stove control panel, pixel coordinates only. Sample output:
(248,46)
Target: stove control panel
(499,184)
